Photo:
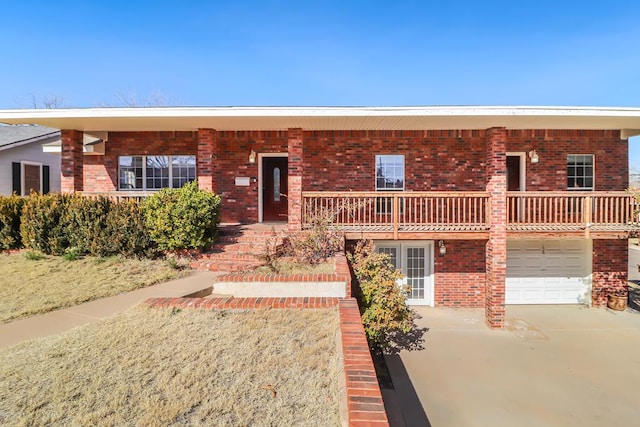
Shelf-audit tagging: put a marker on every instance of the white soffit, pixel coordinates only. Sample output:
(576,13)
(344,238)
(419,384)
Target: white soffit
(330,118)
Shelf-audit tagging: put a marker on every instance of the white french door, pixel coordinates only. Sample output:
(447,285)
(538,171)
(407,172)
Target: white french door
(415,260)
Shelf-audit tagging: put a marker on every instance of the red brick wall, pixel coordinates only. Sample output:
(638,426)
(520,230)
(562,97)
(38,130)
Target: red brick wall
(437,160)
(434,160)
(296,172)
(610,263)
(496,249)
(101,172)
(552,146)
(71,161)
(459,275)
(241,203)
(206,159)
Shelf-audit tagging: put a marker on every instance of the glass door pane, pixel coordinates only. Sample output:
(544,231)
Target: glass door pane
(415,271)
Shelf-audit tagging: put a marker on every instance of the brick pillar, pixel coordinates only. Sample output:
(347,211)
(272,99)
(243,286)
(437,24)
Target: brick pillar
(206,159)
(496,250)
(610,265)
(295,150)
(71,161)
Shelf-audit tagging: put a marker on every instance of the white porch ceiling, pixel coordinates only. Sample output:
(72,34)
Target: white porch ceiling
(330,118)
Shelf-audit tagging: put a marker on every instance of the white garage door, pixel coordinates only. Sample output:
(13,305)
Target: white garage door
(548,271)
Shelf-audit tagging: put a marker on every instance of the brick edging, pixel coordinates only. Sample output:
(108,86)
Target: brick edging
(364,398)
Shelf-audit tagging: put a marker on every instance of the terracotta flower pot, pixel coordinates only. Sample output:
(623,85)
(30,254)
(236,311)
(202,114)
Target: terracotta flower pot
(617,302)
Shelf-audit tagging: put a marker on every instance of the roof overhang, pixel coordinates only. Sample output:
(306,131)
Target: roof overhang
(626,120)
(92,144)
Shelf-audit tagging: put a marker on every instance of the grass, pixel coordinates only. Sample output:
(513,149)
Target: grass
(33,283)
(170,367)
(289,266)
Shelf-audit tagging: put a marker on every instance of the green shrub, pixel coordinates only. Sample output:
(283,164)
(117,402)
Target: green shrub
(383,307)
(86,220)
(183,218)
(45,223)
(127,233)
(10,213)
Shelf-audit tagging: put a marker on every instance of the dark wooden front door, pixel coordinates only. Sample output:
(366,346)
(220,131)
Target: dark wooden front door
(275,204)
(513,173)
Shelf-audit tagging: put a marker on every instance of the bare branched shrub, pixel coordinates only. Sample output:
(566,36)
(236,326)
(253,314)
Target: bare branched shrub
(319,241)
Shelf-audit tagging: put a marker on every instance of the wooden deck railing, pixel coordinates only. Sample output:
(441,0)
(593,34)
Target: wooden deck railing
(468,211)
(399,211)
(572,210)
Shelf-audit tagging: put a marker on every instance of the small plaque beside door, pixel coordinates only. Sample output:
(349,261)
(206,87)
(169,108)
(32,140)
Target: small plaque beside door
(242,181)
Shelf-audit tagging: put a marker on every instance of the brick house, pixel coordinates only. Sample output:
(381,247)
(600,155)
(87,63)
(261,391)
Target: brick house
(478,206)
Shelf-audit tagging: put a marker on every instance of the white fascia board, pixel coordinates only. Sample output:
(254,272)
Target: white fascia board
(338,118)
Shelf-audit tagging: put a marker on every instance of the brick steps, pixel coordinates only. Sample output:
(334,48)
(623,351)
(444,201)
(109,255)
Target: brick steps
(222,265)
(254,248)
(236,249)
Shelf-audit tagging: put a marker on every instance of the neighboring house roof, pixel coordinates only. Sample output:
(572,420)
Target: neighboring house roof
(15,136)
(332,118)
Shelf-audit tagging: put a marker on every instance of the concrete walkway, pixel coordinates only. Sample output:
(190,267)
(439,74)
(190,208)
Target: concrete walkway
(67,318)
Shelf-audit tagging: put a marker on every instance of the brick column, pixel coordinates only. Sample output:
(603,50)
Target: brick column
(610,264)
(71,161)
(206,159)
(296,151)
(496,250)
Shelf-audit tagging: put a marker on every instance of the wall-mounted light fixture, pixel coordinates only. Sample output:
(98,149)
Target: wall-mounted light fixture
(533,156)
(443,248)
(252,157)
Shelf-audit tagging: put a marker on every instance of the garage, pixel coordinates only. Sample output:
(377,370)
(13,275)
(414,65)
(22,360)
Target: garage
(548,271)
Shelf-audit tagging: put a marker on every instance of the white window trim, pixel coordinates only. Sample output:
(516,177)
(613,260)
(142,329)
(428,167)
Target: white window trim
(375,175)
(144,170)
(593,178)
(22,175)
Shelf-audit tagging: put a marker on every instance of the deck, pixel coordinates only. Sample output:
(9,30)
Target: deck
(465,215)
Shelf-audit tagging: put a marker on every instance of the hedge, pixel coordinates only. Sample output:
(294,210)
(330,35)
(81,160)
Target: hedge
(184,218)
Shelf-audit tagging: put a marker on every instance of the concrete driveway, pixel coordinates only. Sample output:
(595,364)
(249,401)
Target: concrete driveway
(552,366)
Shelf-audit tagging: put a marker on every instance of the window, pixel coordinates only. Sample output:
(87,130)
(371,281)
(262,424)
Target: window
(393,254)
(389,172)
(580,172)
(29,176)
(183,169)
(389,177)
(155,172)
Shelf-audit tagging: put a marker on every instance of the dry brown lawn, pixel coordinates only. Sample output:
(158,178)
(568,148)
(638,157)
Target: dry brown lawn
(29,287)
(153,367)
(290,266)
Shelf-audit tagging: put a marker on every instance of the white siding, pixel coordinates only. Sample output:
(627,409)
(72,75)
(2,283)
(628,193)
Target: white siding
(32,153)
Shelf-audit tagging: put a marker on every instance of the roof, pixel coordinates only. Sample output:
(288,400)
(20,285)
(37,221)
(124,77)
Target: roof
(331,118)
(13,136)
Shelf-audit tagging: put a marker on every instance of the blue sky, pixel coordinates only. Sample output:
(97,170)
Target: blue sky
(322,53)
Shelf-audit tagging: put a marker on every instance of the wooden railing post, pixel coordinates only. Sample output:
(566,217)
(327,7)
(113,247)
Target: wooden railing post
(587,215)
(396,216)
